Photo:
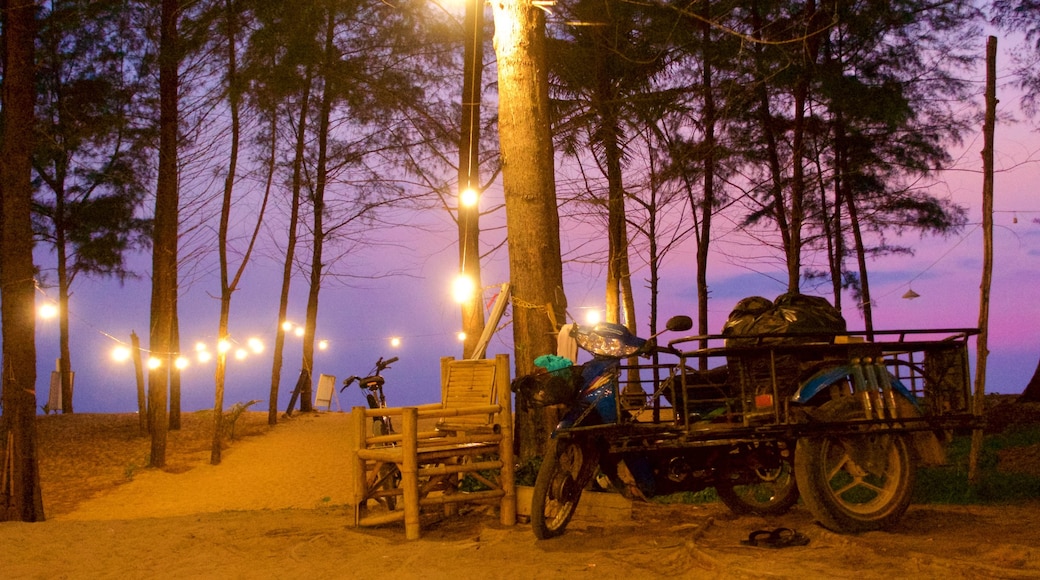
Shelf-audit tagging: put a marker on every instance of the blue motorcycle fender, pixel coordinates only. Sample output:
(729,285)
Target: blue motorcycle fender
(598,393)
(827,377)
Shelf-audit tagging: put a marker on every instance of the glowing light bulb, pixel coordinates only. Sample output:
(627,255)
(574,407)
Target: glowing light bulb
(463,288)
(461,336)
(181,363)
(47,311)
(200,346)
(323,344)
(298,331)
(255,345)
(241,354)
(593,317)
(204,356)
(469,197)
(286,326)
(395,342)
(121,354)
(223,345)
(154,363)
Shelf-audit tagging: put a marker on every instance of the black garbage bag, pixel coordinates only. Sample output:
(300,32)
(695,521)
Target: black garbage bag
(792,319)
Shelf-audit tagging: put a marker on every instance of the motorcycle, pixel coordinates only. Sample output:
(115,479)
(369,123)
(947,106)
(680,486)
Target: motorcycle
(601,433)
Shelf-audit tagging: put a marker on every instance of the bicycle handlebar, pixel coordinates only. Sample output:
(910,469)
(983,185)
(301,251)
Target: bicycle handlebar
(347,382)
(381,365)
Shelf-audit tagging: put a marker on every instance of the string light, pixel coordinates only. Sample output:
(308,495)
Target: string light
(255,345)
(122,352)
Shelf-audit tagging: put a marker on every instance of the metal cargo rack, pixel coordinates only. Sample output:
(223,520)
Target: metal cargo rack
(765,387)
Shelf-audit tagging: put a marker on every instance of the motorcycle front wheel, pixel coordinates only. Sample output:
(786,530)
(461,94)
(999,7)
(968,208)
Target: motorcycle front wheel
(567,467)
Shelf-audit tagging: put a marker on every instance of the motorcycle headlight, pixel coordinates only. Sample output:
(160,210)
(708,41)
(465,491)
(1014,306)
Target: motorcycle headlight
(604,344)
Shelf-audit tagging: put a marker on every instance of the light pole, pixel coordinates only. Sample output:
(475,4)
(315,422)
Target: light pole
(469,172)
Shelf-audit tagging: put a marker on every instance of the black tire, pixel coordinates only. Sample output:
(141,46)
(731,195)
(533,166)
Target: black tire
(389,474)
(567,467)
(766,490)
(857,482)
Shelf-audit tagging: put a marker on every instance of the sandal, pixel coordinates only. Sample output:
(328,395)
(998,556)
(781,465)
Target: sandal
(778,538)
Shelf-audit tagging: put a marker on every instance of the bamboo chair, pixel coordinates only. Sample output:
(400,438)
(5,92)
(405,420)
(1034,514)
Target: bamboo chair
(471,425)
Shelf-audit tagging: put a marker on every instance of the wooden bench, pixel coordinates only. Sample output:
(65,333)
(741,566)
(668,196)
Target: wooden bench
(472,432)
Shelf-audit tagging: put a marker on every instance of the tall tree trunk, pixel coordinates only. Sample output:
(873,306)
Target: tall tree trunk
(469,171)
(223,336)
(290,246)
(832,227)
(620,303)
(982,343)
(796,209)
(61,252)
(22,499)
(175,372)
(707,202)
(64,353)
(532,221)
(769,131)
(321,180)
(861,261)
(164,248)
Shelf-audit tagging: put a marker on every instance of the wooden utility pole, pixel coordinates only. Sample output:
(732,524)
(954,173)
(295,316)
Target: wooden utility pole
(987,252)
(469,171)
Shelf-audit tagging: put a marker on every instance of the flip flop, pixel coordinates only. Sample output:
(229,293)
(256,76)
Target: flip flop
(778,538)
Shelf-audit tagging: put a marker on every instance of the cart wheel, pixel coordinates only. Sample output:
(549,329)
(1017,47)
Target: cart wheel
(766,490)
(567,468)
(857,482)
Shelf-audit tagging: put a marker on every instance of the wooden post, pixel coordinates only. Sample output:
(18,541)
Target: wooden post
(142,404)
(507,476)
(410,472)
(358,475)
(982,343)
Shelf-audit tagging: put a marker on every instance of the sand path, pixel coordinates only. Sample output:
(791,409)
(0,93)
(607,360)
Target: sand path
(302,463)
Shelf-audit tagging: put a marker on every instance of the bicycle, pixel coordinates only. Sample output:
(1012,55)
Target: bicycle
(372,387)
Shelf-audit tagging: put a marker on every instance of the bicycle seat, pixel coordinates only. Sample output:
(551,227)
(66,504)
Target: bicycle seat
(372,382)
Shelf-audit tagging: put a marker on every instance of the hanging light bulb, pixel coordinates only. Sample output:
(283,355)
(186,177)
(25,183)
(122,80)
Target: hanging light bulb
(463,288)
(469,197)
(910,294)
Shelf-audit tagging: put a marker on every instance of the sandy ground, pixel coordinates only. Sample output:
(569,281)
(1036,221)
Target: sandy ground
(274,508)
